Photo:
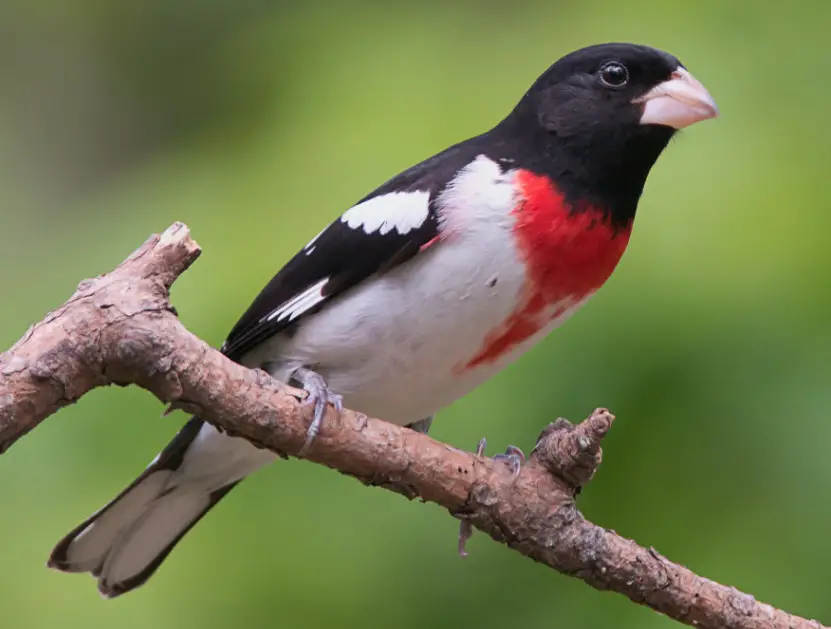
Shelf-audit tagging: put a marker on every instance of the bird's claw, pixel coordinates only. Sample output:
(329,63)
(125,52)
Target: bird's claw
(512,456)
(319,396)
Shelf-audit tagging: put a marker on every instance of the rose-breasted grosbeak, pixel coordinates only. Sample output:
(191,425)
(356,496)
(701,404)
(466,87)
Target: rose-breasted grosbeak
(428,286)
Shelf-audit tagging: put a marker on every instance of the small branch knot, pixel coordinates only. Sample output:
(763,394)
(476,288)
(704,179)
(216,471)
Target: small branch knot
(571,452)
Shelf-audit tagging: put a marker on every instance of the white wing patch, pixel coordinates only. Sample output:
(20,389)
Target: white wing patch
(299,304)
(401,211)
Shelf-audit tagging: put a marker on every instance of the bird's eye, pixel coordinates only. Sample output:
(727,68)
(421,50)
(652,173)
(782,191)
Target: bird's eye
(614,74)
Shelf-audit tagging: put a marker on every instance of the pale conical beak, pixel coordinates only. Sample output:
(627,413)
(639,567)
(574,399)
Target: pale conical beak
(678,102)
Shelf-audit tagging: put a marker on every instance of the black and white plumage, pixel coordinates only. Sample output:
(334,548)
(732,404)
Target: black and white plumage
(428,286)
(377,234)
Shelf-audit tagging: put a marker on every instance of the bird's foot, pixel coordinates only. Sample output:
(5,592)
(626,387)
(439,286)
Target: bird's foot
(514,458)
(320,396)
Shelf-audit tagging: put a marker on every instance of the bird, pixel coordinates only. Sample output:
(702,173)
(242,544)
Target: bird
(426,287)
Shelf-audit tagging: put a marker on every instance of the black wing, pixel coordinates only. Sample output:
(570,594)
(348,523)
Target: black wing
(343,255)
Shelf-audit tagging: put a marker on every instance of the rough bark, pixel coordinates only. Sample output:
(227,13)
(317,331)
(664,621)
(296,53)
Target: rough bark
(120,329)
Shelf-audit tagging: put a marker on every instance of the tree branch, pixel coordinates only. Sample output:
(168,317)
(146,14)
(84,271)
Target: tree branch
(121,329)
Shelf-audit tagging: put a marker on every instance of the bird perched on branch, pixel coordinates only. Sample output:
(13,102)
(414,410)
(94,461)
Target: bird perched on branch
(428,286)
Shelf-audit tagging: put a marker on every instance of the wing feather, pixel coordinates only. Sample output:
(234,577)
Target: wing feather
(385,229)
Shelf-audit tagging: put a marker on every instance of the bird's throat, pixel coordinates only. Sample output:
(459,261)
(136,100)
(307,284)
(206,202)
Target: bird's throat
(569,251)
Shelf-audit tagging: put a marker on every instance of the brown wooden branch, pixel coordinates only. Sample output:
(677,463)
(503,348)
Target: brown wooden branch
(121,329)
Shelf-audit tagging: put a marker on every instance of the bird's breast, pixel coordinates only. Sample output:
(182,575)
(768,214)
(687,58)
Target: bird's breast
(568,251)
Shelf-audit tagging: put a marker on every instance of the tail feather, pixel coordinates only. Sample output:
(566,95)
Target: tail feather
(85,548)
(125,542)
(142,549)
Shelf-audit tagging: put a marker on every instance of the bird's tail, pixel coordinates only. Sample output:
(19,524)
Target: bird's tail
(125,542)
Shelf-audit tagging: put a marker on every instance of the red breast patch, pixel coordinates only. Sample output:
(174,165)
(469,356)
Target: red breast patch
(568,255)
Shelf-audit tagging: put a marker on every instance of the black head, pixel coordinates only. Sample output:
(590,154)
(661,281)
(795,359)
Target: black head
(599,118)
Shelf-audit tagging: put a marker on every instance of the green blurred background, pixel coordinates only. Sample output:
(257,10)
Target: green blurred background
(258,122)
